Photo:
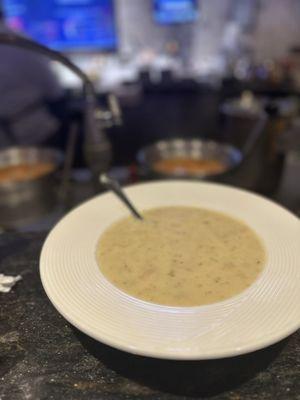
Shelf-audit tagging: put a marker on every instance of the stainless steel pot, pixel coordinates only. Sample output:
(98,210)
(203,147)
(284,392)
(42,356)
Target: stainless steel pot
(22,202)
(195,149)
(242,170)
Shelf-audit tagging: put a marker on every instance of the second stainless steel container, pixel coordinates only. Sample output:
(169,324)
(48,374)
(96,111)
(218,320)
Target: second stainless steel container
(22,202)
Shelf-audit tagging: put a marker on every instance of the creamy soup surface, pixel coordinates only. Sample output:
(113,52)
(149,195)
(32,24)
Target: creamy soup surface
(181,256)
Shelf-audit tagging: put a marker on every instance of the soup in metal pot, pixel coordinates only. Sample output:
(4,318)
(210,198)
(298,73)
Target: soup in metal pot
(25,172)
(190,166)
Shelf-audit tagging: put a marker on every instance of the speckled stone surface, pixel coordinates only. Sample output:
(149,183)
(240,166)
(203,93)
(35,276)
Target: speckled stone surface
(44,357)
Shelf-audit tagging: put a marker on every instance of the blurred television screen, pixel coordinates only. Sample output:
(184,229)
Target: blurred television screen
(66,25)
(176,11)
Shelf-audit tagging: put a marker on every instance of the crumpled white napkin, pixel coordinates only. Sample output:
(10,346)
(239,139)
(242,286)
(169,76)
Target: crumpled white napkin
(7,282)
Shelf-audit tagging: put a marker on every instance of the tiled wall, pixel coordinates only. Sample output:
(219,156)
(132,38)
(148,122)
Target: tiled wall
(138,29)
(276,27)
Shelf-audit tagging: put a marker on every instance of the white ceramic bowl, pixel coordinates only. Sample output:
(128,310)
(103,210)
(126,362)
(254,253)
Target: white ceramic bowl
(263,314)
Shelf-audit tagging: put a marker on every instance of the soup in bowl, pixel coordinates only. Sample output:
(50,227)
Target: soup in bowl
(181,256)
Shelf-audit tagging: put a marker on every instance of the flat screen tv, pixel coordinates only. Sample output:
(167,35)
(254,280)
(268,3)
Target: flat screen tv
(65,25)
(176,11)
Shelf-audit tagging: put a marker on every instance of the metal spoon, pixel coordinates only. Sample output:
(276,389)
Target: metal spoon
(114,186)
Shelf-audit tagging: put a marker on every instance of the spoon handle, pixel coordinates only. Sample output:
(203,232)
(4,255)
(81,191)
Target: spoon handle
(114,186)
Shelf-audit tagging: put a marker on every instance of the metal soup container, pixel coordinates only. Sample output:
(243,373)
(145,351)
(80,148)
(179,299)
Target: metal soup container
(192,149)
(23,201)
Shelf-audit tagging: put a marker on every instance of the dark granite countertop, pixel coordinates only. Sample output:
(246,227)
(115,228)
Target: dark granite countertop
(43,357)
